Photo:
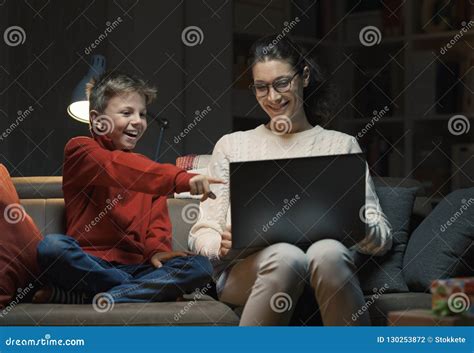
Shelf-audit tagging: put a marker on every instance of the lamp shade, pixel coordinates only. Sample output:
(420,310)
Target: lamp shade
(79,107)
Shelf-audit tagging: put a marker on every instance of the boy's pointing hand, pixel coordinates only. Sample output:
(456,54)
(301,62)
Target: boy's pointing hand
(199,185)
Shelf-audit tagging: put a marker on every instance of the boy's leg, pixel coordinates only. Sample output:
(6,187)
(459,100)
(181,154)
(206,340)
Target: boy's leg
(66,265)
(176,277)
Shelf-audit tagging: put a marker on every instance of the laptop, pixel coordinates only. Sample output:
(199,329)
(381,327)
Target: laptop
(297,201)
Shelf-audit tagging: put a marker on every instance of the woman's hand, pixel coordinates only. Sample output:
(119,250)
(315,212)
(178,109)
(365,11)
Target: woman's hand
(159,258)
(226,242)
(199,185)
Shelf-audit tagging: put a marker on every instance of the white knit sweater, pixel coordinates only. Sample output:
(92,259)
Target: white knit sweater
(262,143)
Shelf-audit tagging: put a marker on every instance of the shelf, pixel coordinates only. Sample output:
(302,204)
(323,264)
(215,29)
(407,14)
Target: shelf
(419,37)
(440,117)
(300,39)
(438,35)
(398,119)
(406,127)
(385,41)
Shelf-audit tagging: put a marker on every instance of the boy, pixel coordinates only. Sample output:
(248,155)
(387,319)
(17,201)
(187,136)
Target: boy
(119,232)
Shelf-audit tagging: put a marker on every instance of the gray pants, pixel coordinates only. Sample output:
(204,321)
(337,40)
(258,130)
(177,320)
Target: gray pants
(269,283)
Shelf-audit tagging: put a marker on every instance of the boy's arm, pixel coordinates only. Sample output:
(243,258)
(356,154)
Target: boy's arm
(87,163)
(158,236)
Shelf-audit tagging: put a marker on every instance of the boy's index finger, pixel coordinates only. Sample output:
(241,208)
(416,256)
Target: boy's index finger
(215,181)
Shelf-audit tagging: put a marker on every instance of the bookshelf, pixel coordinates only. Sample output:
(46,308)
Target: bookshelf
(406,71)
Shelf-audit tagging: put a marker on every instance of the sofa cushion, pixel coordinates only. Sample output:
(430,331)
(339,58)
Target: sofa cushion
(40,187)
(193,161)
(421,207)
(188,313)
(377,272)
(443,245)
(49,215)
(183,214)
(19,237)
(380,306)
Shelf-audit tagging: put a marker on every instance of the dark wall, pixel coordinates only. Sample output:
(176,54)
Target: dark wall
(43,71)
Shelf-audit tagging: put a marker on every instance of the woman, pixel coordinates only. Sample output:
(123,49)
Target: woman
(287,87)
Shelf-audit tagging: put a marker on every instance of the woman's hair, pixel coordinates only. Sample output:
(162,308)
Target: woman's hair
(99,91)
(319,96)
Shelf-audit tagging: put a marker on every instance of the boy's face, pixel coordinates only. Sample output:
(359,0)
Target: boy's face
(127,113)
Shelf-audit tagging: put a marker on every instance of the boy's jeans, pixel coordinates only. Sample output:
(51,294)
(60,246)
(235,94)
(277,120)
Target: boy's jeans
(66,265)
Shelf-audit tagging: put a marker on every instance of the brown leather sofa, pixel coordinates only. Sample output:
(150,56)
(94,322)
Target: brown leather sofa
(42,199)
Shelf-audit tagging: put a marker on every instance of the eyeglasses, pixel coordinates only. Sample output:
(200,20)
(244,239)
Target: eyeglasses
(281,85)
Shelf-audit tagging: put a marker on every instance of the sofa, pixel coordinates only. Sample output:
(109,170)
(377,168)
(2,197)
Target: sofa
(42,198)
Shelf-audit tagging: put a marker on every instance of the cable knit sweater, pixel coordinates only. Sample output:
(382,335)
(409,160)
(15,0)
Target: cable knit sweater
(262,143)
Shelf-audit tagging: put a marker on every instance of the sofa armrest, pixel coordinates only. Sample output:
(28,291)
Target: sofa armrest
(40,187)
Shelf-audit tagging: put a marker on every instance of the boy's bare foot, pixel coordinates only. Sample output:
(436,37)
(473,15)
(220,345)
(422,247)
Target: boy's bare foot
(43,295)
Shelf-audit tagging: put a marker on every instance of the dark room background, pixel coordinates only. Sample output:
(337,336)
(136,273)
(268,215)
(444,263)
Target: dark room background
(402,70)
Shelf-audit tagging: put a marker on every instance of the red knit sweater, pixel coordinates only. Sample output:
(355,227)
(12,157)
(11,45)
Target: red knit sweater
(116,200)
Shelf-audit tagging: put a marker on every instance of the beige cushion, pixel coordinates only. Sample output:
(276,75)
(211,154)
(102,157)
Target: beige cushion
(49,216)
(38,187)
(204,312)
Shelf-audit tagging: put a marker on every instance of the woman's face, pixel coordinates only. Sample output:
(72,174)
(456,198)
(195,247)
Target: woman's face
(289,103)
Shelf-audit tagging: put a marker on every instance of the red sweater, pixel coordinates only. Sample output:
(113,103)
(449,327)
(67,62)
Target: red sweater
(116,200)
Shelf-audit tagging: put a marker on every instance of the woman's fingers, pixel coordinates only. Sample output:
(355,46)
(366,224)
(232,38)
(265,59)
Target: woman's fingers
(223,252)
(226,244)
(226,236)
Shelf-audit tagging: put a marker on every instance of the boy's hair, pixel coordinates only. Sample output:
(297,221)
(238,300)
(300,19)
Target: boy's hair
(100,90)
